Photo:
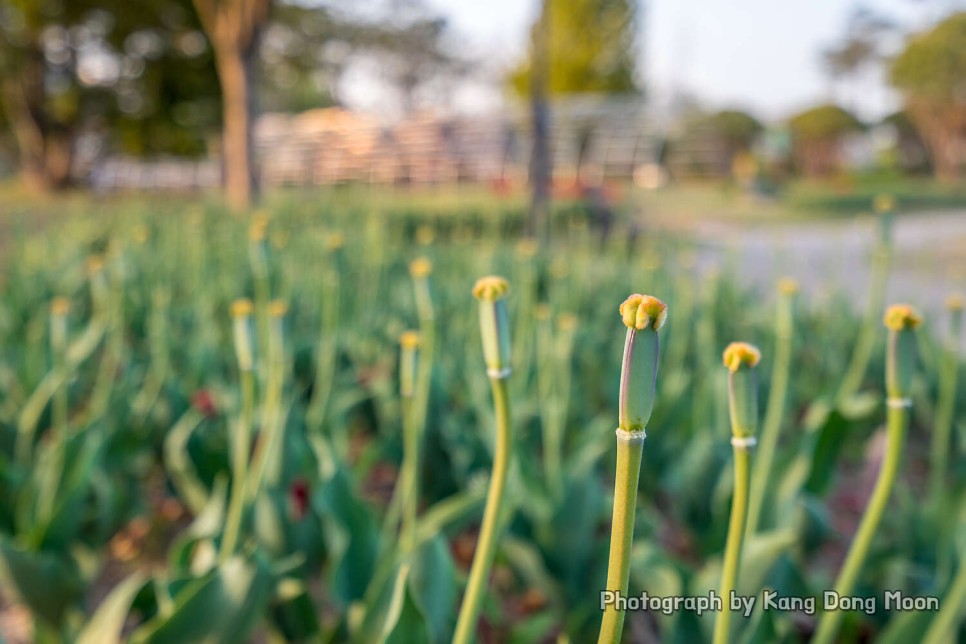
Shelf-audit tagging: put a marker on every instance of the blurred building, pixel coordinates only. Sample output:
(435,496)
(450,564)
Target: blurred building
(592,138)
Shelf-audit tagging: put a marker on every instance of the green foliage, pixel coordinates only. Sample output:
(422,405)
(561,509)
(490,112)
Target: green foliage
(311,559)
(590,47)
(141,65)
(823,123)
(737,128)
(932,66)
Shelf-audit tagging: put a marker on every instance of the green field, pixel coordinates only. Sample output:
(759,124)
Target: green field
(128,425)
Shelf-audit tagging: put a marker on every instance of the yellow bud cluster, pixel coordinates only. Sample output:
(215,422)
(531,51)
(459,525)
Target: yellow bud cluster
(420,267)
(739,354)
(899,317)
(643,311)
(491,288)
(241,308)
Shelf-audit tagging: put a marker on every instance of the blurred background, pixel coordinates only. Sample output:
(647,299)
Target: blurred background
(693,113)
(162,159)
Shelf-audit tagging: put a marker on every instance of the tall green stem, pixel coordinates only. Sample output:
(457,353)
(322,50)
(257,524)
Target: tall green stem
(643,315)
(943,627)
(486,546)
(761,470)
(898,419)
(945,407)
(865,343)
(241,452)
(630,447)
(736,529)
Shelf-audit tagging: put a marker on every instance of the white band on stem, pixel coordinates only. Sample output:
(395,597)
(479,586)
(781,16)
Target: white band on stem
(899,403)
(623,434)
(499,374)
(744,442)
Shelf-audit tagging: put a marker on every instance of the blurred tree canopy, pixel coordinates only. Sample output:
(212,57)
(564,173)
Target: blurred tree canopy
(84,78)
(738,129)
(590,47)
(931,74)
(817,135)
(70,67)
(859,48)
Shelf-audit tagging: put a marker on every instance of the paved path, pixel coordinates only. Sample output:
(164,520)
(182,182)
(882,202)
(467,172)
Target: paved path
(928,264)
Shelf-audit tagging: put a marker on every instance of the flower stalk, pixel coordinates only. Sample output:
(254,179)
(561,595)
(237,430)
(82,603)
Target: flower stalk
(241,313)
(741,359)
(884,206)
(643,315)
(495,332)
(946,404)
(901,321)
(771,427)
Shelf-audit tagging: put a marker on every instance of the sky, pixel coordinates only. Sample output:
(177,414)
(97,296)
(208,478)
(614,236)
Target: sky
(762,55)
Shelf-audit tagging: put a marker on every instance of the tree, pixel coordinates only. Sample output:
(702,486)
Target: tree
(590,47)
(737,129)
(72,66)
(859,48)
(931,74)
(817,136)
(234,28)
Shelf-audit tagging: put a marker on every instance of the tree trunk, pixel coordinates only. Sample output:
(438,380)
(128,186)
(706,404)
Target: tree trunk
(20,94)
(238,154)
(538,223)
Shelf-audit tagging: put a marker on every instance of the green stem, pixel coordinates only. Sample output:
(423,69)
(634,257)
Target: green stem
(898,419)
(761,470)
(942,431)
(486,546)
(241,452)
(266,460)
(865,343)
(942,628)
(327,351)
(410,481)
(736,528)
(629,451)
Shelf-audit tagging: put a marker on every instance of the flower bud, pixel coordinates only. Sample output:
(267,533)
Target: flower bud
(901,320)
(742,359)
(494,322)
(643,315)
(241,313)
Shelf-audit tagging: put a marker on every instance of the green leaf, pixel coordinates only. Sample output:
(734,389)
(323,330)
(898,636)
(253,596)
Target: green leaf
(177,462)
(223,606)
(432,584)
(906,626)
(410,625)
(831,437)
(294,613)
(46,582)
(107,623)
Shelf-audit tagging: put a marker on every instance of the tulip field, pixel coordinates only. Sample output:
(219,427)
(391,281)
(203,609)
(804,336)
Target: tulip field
(285,427)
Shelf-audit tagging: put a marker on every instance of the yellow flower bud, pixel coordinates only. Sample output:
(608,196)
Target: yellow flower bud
(641,311)
(241,308)
(741,354)
(277,308)
(491,288)
(901,316)
(60,306)
(409,339)
(883,203)
(787,286)
(420,267)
